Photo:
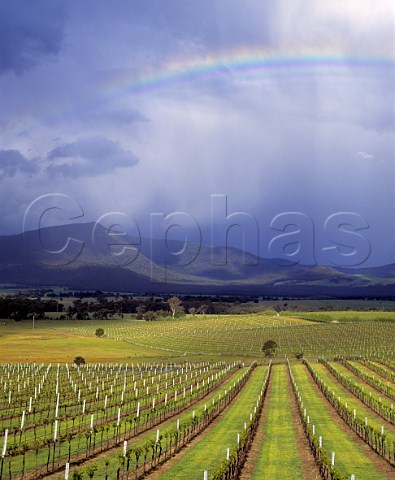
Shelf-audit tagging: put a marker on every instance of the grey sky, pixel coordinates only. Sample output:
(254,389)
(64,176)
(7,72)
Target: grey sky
(147,107)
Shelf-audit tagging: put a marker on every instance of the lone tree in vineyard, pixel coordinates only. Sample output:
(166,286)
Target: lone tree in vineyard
(79,360)
(269,347)
(99,332)
(175,306)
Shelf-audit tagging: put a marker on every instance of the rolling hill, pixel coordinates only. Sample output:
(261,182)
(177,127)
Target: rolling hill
(86,257)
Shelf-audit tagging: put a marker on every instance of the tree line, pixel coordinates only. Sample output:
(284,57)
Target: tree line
(106,306)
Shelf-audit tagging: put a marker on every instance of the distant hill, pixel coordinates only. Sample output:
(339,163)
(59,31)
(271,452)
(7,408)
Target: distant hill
(384,271)
(86,257)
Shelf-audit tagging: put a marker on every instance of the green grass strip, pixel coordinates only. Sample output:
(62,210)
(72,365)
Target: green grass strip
(371,373)
(211,449)
(112,459)
(362,411)
(278,456)
(349,457)
(348,374)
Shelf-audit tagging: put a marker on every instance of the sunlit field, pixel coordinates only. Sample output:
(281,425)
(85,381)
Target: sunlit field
(330,334)
(148,389)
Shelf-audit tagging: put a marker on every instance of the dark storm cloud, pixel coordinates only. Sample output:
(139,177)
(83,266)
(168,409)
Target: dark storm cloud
(181,85)
(13,162)
(90,156)
(29,31)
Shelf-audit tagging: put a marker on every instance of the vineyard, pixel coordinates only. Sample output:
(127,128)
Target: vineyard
(245,334)
(328,415)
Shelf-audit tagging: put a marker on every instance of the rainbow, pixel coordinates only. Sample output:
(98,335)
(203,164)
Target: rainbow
(240,64)
(245,64)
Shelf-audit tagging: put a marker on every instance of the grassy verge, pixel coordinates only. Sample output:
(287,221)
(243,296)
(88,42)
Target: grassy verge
(211,449)
(368,371)
(278,456)
(20,343)
(376,394)
(350,457)
(363,412)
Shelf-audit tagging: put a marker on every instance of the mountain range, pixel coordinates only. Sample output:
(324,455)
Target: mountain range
(86,256)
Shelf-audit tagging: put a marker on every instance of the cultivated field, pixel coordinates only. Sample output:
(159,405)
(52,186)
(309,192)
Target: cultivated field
(234,335)
(195,398)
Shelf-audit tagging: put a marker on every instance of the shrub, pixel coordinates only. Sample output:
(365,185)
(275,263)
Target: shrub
(79,360)
(99,332)
(269,347)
